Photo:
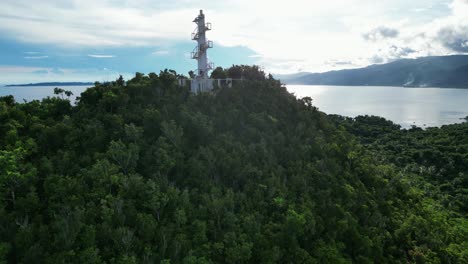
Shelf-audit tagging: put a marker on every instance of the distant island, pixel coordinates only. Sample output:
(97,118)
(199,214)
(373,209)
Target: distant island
(442,71)
(51,84)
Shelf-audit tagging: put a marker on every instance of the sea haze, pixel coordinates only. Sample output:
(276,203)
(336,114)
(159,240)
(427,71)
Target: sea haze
(423,107)
(30,93)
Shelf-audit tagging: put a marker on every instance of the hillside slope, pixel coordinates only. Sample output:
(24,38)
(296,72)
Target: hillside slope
(445,71)
(144,172)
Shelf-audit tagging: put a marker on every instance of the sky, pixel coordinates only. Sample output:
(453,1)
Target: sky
(89,40)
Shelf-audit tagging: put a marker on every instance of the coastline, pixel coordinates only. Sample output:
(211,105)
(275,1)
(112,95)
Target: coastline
(50,84)
(395,86)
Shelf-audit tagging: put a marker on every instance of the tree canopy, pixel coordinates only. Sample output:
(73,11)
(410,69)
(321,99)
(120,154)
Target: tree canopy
(142,171)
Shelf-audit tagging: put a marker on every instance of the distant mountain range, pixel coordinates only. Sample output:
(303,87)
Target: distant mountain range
(442,71)
(52,84)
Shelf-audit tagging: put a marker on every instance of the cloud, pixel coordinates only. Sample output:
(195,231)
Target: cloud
(377,59)
(57,71)
(15,74)
(380,33)
(160,53)
(454,38)
(18,69)
(291,35)
(36,57)
(445,35)
(49,71)
(41,72)
(460,7)
(449,35)
(338,63)
(33,70)
(391,53)
(93,23)
(396,52)
(99,56)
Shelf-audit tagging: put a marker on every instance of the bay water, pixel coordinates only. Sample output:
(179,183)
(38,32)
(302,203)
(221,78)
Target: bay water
(423,107)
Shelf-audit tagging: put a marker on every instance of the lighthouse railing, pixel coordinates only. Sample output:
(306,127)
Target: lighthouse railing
(196,52)
(195,34)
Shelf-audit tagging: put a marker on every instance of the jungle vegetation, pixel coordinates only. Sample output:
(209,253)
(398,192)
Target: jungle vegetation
(143,171)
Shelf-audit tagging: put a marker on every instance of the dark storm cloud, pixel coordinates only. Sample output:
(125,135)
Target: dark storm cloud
(381,32)
(454,38)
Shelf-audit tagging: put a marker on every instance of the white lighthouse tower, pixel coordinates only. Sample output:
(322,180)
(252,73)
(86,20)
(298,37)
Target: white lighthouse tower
(201,82)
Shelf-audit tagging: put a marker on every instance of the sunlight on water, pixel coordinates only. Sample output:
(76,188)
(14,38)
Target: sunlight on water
(423,107)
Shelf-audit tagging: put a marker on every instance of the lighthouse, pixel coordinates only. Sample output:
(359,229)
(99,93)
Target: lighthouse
(201,82)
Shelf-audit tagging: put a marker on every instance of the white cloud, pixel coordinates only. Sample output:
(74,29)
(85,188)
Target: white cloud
(18,69)
(381,33)
(440,35)
(36,57)
(160,53)
(290,35)
(99,56)
(12,74)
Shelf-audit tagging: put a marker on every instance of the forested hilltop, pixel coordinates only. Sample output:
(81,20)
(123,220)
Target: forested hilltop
(145,172)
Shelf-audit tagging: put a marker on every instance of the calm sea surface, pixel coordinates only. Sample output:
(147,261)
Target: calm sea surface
(424,107)
(30,93)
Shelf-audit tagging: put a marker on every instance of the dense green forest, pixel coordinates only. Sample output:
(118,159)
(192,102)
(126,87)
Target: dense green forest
(142,171)
(438,156)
